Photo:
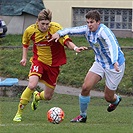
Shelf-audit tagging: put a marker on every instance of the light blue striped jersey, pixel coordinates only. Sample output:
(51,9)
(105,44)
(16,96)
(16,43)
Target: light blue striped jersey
(103,42)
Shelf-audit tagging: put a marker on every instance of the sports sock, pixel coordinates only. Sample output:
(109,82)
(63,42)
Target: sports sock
(83,102)
(117,100)
(40,96)
(25,98)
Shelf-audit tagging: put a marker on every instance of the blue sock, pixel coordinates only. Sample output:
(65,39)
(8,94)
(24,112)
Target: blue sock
(117,100)
(83,102)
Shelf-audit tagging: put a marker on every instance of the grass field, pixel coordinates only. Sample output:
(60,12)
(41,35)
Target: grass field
(73,73)
(99,120)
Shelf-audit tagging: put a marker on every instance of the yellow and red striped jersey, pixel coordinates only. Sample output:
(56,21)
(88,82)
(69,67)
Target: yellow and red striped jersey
(50,53)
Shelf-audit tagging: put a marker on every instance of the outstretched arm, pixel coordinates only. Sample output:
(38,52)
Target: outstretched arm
(80,30)
(55,37)
(71,45)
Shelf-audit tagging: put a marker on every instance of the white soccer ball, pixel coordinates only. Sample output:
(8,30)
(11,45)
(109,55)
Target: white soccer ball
(55,115)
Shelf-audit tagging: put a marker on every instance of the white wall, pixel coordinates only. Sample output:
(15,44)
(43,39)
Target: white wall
(62,9)
(17,24)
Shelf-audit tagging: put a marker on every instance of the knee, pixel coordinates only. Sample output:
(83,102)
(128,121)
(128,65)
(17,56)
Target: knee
(85,90)
(48,97)
(32,86)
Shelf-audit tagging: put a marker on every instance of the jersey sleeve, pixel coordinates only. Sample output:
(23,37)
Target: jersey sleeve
(112,43)
(80,30)
(27,36)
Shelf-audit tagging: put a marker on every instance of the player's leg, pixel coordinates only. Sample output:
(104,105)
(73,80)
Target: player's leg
(49,78)
(113,79)
(90,81)
(94,75)
(25,97)
(43,95)
(112,98)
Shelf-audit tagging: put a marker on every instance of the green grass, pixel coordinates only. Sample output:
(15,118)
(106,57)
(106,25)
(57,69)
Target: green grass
(73,73)
(11,40)
(99,120)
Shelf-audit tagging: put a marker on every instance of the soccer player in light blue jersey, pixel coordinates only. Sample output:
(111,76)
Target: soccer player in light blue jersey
(109,62)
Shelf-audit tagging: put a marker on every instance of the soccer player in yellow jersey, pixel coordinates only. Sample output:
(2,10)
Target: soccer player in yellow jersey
(46,61)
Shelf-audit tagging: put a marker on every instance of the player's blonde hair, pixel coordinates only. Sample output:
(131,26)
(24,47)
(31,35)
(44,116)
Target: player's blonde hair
(45,14)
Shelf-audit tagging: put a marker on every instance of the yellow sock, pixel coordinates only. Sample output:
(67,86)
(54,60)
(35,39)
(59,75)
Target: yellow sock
(40,96)
(25,98)
(21,106)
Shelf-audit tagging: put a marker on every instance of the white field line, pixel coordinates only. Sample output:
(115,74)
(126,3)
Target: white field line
(5,125)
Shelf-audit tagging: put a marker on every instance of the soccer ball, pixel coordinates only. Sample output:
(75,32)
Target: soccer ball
(55,115)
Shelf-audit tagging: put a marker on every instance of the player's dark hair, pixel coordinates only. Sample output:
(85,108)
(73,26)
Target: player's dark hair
(93,14)
(45,14)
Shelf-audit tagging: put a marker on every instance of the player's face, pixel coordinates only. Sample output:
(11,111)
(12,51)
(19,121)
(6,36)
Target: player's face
(92,24)
(43,25)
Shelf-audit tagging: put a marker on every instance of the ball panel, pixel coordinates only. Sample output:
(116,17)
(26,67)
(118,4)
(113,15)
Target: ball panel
(55,115)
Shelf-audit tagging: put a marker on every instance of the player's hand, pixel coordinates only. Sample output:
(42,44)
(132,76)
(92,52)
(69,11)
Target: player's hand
(55,37)
(23,62)
(116,66)
(79,49)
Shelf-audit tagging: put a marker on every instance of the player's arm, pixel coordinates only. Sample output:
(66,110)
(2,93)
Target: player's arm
(25,42)
(81,30)
(116,66)
(113,47)
(71,45)
(24,56)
